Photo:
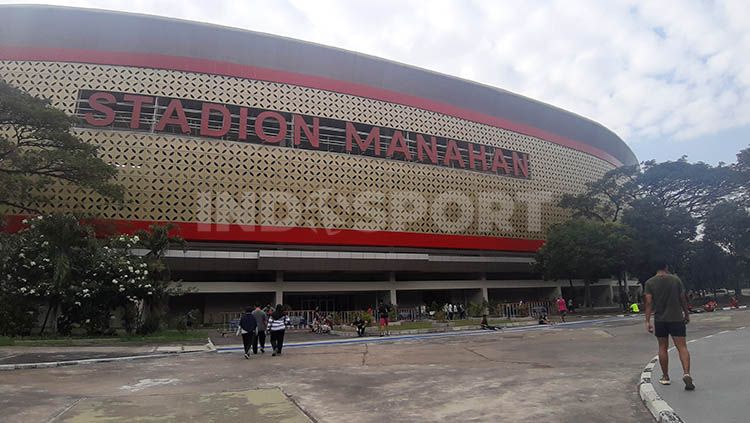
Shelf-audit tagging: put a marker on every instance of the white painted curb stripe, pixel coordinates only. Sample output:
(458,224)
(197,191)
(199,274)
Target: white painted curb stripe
(51,364)
(661,411)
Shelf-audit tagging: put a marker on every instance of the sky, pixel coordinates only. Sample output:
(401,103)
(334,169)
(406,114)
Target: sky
(670,77)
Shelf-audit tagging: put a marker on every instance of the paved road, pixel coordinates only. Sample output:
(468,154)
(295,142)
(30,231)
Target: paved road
(721,370)
(566,374)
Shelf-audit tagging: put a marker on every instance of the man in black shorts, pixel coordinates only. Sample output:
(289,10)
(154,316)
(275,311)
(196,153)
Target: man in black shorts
(665,296)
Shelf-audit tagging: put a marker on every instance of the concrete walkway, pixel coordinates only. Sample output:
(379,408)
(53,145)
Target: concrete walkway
(255,405)
(721,370)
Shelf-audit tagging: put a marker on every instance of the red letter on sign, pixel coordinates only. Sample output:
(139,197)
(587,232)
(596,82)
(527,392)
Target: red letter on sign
(242,136)
(274,139)
(138,101)
(300,125)
(174,108)
(226,120)
(452,153)
(373,136)
(398,144)
(109,113)
(482,156)
(521,164)
(498,162)
(432,153)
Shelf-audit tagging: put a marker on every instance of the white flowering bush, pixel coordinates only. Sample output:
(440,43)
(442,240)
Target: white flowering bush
(58,264)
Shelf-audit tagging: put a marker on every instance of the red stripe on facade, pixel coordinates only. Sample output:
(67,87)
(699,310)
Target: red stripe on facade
(188,64)
(311,236)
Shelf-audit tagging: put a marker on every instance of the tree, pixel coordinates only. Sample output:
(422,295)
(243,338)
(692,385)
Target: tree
(708,266)
(583,249)
(605,199)
(742,167)
(38,147)
(660,236)
(57,261)
(693,187)
(728,226)
(156,241)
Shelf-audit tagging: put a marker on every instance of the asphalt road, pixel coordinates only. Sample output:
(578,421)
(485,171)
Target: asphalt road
(563,374)
(721,372)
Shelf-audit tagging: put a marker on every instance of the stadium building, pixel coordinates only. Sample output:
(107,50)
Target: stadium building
(304,174)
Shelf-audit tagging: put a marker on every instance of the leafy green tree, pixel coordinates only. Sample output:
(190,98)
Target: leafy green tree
(728,226)
(659,236)
(584,249)
(709,267)
(39,147)
(605,199)
(693,187)
(156,241)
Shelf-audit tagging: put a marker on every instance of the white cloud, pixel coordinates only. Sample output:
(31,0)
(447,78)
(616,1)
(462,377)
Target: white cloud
(667,70)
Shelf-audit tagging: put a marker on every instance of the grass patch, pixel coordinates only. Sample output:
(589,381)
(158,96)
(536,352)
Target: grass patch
(6,341)
(161,337)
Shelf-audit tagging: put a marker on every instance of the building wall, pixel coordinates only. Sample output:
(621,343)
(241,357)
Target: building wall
(171,177)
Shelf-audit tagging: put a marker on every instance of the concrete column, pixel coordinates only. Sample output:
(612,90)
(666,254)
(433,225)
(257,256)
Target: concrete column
(485,294)
(557,292)
(279,287)
(392,283)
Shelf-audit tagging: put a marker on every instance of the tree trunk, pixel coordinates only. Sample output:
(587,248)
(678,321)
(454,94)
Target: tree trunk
(52,304)
(621,291)
(587,294)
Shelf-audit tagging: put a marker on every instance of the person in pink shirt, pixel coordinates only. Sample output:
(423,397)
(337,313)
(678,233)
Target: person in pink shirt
(562,308)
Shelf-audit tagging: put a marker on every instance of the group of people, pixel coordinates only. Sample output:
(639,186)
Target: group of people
(256,322)
(454,311)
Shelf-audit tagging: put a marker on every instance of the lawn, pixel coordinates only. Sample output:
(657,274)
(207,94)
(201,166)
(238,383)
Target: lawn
(160,337)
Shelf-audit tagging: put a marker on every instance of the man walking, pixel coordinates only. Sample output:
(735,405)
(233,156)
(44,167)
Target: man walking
(261,318)
(665,297)
(247,329)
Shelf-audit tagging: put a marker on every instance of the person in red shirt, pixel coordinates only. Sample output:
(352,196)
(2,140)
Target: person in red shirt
(562,308)
(733,302)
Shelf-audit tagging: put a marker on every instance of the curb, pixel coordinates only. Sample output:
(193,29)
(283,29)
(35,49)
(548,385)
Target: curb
(447,329)
(53,364)
(661,411)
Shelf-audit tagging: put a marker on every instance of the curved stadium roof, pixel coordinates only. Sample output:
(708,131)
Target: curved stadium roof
(72,34)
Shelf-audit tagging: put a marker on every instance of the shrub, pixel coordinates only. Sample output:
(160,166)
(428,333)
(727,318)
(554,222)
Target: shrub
(477,309)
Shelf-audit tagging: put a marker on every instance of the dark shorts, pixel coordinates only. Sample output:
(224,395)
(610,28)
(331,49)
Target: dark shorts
(563,312)
(665,329)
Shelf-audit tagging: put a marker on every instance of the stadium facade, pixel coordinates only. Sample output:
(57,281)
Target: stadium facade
(306,174)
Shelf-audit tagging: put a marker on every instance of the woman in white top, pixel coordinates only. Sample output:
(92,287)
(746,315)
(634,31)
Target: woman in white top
(277,325)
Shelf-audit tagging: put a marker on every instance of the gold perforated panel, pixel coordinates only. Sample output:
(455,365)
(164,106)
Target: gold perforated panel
(171,178)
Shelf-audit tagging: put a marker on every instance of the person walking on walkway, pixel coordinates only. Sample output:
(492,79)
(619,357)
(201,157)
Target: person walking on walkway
(562,308)
(383,310)
(247,328)
(261,318)
(665,298)
(277,325)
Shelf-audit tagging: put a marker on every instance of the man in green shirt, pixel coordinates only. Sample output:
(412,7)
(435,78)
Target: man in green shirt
(665,297)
